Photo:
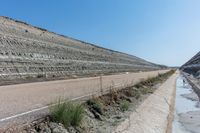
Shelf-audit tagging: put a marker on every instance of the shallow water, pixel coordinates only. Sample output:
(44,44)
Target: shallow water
(182,105)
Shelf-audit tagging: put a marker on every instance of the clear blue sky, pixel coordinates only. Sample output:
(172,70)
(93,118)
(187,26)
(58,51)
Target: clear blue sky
(162,31)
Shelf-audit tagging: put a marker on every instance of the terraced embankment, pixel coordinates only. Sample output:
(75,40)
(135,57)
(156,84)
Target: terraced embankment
(191,71)
(28,52)
(193,66)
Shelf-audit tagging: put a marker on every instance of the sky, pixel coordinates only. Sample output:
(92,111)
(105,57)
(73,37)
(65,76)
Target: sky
(161,31)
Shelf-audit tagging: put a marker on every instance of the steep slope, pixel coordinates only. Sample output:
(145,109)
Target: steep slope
(27,51)
(193,65)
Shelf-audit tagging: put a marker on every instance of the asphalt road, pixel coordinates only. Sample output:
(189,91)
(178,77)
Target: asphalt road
(25,102)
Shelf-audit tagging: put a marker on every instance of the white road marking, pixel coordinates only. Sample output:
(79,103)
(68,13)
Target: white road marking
(21,114)
(45,107)
(38,109)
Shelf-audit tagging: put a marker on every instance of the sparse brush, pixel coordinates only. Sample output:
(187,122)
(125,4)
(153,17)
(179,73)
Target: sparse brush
(96,105)
(57,111)
(128,92)
(146,90)
(136,93)
(154,80)
(114,95)
(124,105)
(67,113)
(145,87)
(78,114)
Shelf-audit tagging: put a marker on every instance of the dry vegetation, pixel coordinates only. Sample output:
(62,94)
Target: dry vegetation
(68,113)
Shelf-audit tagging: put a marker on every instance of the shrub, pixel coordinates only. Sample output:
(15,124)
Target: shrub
(95,105)
(153,80)
(124,105)
(67,113)
(136,93)
(114,95)
(78,114)
(145,90)
(57,111)
(139,85)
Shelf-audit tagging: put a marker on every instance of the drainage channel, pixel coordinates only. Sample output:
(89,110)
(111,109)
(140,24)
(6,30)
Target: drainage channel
(184,104)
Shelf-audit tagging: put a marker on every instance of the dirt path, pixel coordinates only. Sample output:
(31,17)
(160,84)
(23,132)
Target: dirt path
(25,101)
(153,115)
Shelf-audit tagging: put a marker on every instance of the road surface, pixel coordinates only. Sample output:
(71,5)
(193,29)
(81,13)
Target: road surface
(26,102)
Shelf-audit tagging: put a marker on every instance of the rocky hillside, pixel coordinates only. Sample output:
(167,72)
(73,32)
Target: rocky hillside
(31,52)
(193,65)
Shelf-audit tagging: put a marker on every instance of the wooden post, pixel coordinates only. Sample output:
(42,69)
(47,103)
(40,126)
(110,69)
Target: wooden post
(101,85)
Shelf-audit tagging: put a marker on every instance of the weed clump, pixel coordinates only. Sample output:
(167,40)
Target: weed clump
(114,96)
(67,113)
(154,80)
(136,93)
(95,105)
(146,90)
(124,105)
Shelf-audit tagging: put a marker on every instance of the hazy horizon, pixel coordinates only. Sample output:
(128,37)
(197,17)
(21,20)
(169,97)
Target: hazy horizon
(162,32)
